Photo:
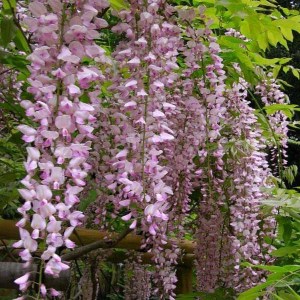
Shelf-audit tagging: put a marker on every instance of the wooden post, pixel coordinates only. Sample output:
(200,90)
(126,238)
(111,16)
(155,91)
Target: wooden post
(10,271)
(185,280)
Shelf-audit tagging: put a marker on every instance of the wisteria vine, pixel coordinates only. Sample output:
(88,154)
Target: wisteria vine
(57,167)
(172,141)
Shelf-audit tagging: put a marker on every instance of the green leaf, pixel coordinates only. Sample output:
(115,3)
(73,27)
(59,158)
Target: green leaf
(220,293)
(231,42)
(287,33)
(119,4)
(287,232)
(262,61)
(296,73)
(272,37)
(287,109)
(277,297)
(14,108)
(91,197)
(262,41)
(285,60)
(21,42)
(275,269)
(285,251)
(255,292)
(296,296)
(8,30)
(9,4)
(245,60)
(17,61)
(267,3)
(276,71)
(245,28)
(9,177)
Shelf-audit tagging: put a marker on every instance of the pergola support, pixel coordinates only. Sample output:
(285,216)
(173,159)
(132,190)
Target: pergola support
(10,271)
(9,231)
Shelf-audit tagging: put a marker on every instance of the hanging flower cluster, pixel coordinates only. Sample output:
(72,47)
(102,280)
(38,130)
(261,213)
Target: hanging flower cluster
(148,55)
(234,33)
(57,166)
(137,281)
(246,175)
(208,90)
(270,94)
(170,144)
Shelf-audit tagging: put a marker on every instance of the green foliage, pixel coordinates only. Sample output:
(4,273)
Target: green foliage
(119,4)
(10,29)
(7,29)
(287,109)
(281,277)
(264,24)
(90,198)
(11,172)
(220,293)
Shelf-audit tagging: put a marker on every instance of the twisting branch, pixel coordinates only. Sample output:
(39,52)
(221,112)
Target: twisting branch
(7,70)
(96,245)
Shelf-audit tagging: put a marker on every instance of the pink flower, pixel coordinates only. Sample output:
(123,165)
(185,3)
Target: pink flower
(63,122)
(27,194)
(37,223)
(56,177)
(33,153)
(54,266)
(53,225)
(49,252)
(50,135)
(37,8)
(127,217)
(29,133)
(23,282)
(133,224)
(76,218)
(43,192)
(67,56)
(43,290)
(46,209)
(54,293)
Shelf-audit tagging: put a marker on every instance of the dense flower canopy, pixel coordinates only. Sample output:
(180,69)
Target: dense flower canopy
(173,141)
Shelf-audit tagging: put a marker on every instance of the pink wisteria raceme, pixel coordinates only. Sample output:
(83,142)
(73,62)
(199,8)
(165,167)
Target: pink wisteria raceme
(149,53)
(271,94)
(62,131)
(137,281)
(246,176)
(207,94)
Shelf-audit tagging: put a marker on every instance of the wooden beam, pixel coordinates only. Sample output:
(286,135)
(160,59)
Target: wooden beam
(187,260)
(10,271)
(9,231)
